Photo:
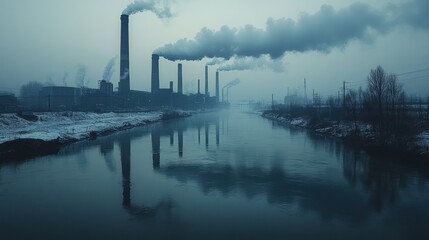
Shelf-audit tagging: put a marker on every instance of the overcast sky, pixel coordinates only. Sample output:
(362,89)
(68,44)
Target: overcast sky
(324,41)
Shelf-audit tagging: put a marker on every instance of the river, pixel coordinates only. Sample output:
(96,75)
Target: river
(228,175)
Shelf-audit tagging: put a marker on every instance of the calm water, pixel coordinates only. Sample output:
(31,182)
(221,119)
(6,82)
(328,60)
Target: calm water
(213,176)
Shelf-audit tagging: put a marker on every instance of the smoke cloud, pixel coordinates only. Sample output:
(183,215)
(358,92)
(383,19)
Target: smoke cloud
(326,29)
(109,69)
(80,75)
(160,8)
(215,61)
(126,74)
(233,83)
(249,63)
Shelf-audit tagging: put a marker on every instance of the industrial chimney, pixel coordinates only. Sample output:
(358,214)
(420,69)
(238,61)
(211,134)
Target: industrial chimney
(217,86)
(155,74)
(199,86)
(207,81)
(124,77)
(179,79)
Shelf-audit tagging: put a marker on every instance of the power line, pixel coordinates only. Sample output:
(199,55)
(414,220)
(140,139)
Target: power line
(413,78)
(411,72)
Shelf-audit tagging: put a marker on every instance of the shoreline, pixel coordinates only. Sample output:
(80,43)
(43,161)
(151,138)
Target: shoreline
(24,148)
(365,139)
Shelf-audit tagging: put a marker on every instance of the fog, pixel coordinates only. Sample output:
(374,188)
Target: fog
(327,42)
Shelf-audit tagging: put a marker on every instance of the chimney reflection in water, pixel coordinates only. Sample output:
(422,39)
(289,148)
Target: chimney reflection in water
(125,148)
(156,142)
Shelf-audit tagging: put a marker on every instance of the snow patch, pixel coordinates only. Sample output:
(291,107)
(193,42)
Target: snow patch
(68,125)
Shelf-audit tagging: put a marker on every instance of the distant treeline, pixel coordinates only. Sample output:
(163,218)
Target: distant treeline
(384,105)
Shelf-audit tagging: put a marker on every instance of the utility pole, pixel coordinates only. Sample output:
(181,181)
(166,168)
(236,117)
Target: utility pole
(305,91)
(313,97)
(344,94)
(272,101)
(338,99)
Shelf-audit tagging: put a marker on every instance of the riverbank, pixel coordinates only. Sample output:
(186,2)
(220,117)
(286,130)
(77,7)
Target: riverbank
(39,134)
(360,134)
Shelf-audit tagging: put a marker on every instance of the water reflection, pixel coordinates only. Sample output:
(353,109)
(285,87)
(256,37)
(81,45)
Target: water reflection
(169,129)
(157,131)
(106,149)
(245,166)
(382,177)
(135,210)
(382,181)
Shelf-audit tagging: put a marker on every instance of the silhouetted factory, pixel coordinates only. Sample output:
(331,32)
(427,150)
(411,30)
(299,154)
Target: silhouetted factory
(158,97)
(105,98)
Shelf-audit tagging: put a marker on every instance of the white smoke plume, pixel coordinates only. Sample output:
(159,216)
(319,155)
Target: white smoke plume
(326,29)
(126,73)
(251,63)
(160,8)
(215,61)
(233,83)
(109,69)
(80,75)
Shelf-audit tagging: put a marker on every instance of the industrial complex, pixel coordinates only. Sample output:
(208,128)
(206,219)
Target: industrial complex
(105,98)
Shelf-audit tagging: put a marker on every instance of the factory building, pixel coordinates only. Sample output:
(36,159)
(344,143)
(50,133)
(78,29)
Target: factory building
(8,102)
(59,98)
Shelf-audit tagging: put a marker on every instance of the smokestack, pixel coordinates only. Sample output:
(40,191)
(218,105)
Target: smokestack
(217,86)
(179,79)
(207,81)
(199,86)
(155,73)
(124,82)
(171,86)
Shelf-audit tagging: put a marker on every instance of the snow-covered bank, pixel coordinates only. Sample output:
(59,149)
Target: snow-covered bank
(361,133)
(334,129)
(66,126)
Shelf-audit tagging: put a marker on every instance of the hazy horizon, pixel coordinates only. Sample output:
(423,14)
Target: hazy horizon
(328,42)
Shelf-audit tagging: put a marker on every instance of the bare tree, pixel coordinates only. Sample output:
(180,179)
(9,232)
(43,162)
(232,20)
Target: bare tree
(376,95)
(377,87)
(394,91)
(352,105)
(331,103)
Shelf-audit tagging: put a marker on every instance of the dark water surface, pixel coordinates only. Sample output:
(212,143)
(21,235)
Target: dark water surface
(232,175)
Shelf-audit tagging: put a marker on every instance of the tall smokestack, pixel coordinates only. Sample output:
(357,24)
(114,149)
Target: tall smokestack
(179,79)
(217,86)
(155,73)
(207,81)
(199,86)
(124,82)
